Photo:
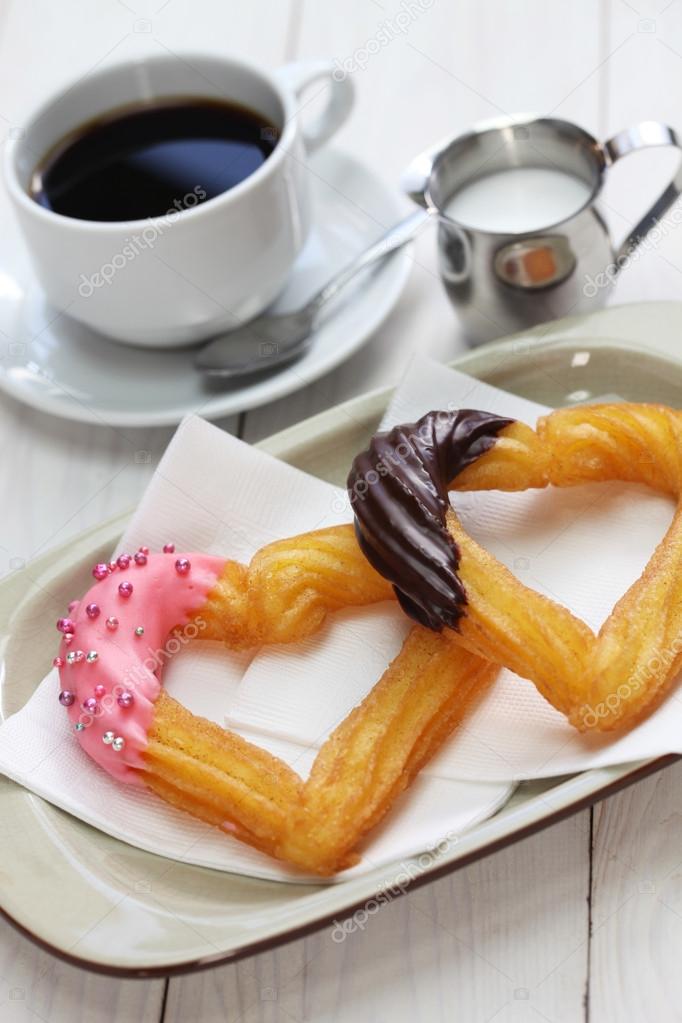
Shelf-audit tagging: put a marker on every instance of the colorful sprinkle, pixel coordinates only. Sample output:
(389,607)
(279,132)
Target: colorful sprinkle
(125,699)
(112,624)
(169,548)
(92,610)
(79,726)
(67,698)
(139,631)
(143,549)
(99,691)
(65,625)
(118,743)
(91,656)
(112,567)
(90,705)
(108,738)
(123,561)
(68,638)
(182,566)
(57,662)
(140,558)
(100,571)
(125,589)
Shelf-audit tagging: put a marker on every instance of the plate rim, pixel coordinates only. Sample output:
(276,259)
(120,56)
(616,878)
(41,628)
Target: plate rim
(288,934)
(581,790)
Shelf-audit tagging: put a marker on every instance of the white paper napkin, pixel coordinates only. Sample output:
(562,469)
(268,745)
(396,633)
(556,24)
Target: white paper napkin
(582,546)
(215,494)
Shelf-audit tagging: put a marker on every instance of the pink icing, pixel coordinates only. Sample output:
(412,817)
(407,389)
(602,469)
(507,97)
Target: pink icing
(126,663)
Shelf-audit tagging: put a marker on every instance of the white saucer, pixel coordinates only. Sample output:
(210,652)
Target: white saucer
(59,366)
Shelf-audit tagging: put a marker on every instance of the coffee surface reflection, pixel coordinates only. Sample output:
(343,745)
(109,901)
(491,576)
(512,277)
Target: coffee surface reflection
(146,160)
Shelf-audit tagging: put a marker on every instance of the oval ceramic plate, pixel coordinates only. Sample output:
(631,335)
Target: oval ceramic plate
(110,907)
(61,367)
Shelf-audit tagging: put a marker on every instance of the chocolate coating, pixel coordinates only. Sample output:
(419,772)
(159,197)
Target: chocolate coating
(399,491)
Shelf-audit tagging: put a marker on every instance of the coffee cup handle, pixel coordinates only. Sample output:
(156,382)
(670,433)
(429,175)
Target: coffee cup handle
(642,136)
(299,76)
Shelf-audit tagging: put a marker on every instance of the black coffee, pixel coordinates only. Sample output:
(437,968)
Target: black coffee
(146,160)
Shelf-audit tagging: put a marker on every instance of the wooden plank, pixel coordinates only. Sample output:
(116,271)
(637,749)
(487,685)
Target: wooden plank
(34,986)
(47,45)
(637,903)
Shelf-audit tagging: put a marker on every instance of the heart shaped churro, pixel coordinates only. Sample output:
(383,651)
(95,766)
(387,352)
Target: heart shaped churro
(472,616)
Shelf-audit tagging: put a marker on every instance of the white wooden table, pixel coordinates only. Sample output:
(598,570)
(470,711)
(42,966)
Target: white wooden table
(583,920)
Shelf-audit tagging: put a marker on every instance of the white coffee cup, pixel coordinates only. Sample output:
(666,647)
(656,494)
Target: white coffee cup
(172,280)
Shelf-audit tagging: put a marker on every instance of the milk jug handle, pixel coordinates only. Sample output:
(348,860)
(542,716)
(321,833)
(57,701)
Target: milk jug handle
(642,136)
